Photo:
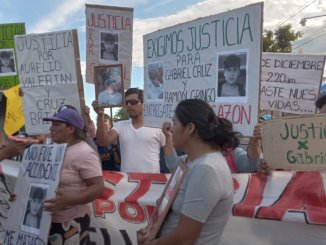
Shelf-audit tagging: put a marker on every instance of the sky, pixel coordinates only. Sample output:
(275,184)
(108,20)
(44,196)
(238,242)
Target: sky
(150,15)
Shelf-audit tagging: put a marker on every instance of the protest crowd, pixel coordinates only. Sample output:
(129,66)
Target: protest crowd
(184,163)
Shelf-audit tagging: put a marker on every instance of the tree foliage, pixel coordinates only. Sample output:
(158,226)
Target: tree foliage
(280,40)
(120,115)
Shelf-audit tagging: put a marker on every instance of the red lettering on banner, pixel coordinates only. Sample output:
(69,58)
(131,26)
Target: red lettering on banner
(145,181)
(149,211)
(253,197)
(236,184)
(304,193)
(112,177)
(103,204)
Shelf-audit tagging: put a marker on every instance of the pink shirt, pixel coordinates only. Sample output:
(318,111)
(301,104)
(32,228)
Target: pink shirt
(81,162)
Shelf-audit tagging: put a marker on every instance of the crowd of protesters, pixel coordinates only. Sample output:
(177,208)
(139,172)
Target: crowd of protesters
(208,145)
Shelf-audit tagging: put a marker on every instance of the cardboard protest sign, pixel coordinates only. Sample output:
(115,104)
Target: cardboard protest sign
(37,181)
(290,82)
(204,59)
(49,74)
(14,119)
(109,39)
(295,142)
(8,67)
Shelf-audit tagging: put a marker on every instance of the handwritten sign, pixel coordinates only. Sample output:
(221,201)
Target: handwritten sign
(296,143)
(49,74)
(290,82)
(37,181)
(196,59)
(14,119)
(9,77)
(108,39)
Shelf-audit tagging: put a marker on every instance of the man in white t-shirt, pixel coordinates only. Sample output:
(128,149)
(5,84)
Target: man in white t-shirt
(139,145)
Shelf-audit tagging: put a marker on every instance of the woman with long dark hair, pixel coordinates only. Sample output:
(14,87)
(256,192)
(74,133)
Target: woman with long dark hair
(203,203)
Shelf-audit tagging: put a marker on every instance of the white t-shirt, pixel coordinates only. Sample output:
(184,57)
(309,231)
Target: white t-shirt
(205,195)
(140,148)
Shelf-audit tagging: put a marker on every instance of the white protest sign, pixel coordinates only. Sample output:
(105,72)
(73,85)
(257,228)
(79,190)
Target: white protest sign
(8,178)
(48,100)
(290,82)
(296,143)
(109,39)
(37,181)
(49,74)
(196,59)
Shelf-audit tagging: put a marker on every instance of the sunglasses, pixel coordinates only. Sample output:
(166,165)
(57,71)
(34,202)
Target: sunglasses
(132,102)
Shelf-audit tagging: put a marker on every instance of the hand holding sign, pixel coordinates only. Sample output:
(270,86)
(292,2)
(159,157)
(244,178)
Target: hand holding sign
(60,202)
(143,235)
(97,108)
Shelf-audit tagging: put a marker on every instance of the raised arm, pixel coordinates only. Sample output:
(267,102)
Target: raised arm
(254,147)
(12,149)
(170,154)
(103,136)
(91,129)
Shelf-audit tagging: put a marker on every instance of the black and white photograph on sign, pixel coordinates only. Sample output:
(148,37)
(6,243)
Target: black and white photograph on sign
(109,85)
(34,208)
(232,74)
(109,46)
(7,62)
(155,82)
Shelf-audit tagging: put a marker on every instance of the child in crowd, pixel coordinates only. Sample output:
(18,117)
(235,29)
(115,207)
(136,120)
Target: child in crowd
(108,53)
(231,86)
(109,154)
(6,65)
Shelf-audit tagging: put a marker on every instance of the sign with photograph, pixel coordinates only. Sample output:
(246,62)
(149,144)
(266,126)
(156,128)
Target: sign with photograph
(167,197)
(109,85)
(109,39)
(209,59)
(295,142)
(8,65)
(290,82)
(37,181)
(49,74)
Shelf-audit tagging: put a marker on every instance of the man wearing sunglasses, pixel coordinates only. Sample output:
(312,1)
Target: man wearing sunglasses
(139,146)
